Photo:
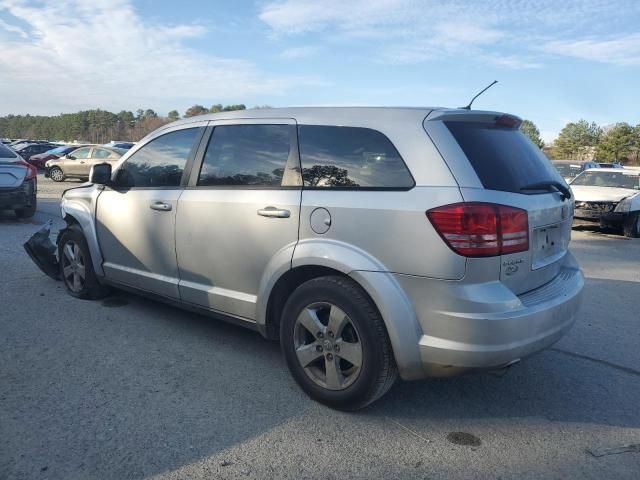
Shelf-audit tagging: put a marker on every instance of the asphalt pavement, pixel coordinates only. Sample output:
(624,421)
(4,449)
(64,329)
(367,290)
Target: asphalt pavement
(129,388)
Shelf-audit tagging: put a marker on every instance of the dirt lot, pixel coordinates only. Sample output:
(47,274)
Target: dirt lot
(128,388)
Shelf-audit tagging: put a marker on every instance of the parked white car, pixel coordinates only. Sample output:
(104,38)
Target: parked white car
(609,196)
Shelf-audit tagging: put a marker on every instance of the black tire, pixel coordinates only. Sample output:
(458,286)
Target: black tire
(56,174)
(378,370)
(90,289)
(29,211)
(632,225)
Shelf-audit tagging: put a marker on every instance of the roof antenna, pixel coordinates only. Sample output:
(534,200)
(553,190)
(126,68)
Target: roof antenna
(468,107)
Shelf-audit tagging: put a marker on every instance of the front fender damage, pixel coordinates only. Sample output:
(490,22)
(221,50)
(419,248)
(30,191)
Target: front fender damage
(43,252)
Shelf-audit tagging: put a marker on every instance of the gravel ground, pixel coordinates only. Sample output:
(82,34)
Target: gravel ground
(128,388)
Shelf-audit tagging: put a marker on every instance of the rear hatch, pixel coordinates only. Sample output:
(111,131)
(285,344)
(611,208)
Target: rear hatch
(494,162)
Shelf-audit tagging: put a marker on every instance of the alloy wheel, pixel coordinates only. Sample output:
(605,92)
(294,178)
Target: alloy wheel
(328,346)
(56,175)
(73,266)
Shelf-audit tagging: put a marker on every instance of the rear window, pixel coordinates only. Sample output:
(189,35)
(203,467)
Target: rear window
(6,152)
(350,157)
(568,170)
(504,158)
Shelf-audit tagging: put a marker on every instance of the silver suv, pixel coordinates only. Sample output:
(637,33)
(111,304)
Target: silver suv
(371,242)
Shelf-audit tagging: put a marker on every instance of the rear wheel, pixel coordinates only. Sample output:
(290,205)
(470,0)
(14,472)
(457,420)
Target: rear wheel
(76,268)
(30,211)
(335,343)
(632,225)
(56,174)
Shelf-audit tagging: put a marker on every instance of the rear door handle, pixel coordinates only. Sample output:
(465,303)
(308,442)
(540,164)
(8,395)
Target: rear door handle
(274,212)
(161,206)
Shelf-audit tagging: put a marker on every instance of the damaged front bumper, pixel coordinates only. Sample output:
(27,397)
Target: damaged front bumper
(43,252)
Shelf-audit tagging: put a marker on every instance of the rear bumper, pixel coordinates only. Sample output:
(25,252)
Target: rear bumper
(19,197)
(486,326)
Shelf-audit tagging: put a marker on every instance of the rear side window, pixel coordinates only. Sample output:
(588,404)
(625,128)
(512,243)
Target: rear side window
(160,162)
(6,152)
(247,155)
(100,153)
(504,158)
(350,157)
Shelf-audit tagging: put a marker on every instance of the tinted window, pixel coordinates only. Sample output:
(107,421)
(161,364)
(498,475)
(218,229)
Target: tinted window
(568,170)
(350,157)
(160,162)
(503,157)
(246,155)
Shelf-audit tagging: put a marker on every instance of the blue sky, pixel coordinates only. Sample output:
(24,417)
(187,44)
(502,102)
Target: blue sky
(555,61)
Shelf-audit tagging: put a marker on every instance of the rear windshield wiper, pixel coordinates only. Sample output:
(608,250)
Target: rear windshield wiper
(547,185)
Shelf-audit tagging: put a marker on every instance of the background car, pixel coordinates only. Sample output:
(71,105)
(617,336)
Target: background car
(40,159)
(18,184)
(27,150)
(78,163)
(123,145)
(569,169)
(609,197)
(610,165)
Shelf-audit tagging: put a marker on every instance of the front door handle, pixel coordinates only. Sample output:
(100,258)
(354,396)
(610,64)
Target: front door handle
(274,212)
(160,206)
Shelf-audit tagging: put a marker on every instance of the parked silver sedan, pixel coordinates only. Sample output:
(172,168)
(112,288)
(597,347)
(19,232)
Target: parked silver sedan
(370,242)
(18,184)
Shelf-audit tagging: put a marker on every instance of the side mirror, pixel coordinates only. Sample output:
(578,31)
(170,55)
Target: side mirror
(100,174)
(70,157)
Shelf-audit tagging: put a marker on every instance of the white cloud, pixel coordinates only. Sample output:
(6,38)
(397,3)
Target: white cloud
(624,50)
(101,53)
(506,33)
(295,53)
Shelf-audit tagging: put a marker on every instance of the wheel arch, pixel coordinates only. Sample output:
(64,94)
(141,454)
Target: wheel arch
(316,258)
(78,209)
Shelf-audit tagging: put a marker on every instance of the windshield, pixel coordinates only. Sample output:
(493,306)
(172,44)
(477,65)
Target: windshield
(608,179)
(568,170)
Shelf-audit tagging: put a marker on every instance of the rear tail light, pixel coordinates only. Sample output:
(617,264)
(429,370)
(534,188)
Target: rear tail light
(32,172)
(476,229)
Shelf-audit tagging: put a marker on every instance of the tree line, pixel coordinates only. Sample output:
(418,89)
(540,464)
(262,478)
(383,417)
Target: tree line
(583,140)
(97,126)
(577,140)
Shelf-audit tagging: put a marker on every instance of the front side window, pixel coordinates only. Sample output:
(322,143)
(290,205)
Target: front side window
(350,157)
(247,155)
(81,153)
(160,162)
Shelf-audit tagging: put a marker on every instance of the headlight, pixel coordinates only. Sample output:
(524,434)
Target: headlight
(624,205)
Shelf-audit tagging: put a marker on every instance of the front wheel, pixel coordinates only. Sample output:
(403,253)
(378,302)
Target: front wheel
(632,225)
(335,343)
(76,269)
(56,174)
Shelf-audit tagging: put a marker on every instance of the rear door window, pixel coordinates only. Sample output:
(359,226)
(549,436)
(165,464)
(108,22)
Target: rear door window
(248,155)
(503,157)
(350,157)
